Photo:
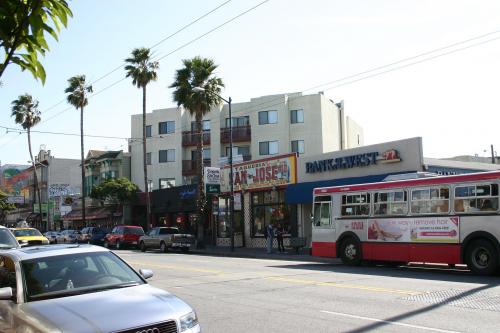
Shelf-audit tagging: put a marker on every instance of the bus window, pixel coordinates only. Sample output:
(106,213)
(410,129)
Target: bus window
(321,214)
(476,198)
(390,203)
(430,200)
(356,204)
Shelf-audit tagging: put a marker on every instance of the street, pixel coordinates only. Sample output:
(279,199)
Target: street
(265,295)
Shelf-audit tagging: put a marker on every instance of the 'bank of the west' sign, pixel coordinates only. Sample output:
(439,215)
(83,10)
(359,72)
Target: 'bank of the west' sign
(348,162)
(269,172)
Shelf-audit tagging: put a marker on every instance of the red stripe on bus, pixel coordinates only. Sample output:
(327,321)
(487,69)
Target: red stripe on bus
(324,249)
(411,252)
(411,182)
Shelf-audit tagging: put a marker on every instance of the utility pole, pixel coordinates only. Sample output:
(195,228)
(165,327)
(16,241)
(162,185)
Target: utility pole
(492,155)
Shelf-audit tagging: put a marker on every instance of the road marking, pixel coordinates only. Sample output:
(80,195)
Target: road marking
(179,268)
(347,286)
(389,322)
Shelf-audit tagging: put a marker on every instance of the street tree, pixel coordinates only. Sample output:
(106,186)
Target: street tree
(5,207)
(78,91)
(25,112)
(198,72)
(24,25)
(115,191)
(142,69)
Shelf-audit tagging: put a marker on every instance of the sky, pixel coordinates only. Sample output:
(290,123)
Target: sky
(449,98)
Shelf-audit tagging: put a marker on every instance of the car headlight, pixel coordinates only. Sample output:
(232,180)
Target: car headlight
(188,321)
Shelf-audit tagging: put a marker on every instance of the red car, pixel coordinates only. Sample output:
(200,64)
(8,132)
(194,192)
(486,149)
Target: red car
(123,236)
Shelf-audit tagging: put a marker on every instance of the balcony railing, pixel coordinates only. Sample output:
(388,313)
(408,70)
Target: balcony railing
(190,167)
(190,138)
(240,134)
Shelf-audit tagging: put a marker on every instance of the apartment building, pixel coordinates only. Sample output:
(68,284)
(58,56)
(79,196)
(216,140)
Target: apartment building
(263,127)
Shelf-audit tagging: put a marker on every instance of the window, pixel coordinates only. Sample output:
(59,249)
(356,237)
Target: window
(268,117)
(166,127)
(268,148)
(238,121)
(390,203)
(166,156)
(241,150)
(148,131)
(206,153)
(205,125)
(296,116)
(167,183)
(476,198)
(267,207)
(148,158)
(430,200)
(321,211)
(356,204)
(298,146)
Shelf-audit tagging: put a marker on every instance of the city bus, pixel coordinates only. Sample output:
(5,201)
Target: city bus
(442,219)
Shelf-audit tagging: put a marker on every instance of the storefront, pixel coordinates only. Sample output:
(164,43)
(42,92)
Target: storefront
(259,188)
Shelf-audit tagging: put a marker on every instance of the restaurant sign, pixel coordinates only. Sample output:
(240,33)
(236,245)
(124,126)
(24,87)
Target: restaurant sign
(269,172)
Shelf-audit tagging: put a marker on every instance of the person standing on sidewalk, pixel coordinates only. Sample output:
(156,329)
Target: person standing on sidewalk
(270,237)
(279,237)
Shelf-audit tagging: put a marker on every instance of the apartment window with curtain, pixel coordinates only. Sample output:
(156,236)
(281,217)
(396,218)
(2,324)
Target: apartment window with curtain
(238,121)
(148,131)
(148,158)
(268,117)
(297,116)
(166,127)
(167,155)
(298,146)
(268,148)
(205,125)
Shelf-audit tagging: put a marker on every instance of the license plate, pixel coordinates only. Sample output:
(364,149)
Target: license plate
(134,242)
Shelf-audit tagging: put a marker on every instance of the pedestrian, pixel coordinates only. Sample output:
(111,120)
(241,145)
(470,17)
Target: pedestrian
(270,237)
(279,237)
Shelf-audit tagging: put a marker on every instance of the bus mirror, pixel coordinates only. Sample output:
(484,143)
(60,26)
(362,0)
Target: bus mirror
(311,217)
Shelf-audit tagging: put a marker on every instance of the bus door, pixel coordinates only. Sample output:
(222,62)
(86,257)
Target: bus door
(323,230)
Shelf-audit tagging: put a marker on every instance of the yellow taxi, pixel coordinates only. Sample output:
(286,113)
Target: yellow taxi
(29,236)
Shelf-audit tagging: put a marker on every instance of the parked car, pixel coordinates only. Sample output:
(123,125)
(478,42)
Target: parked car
(68,236)
(165,238)
(93,235)
(123,236)
(7,239)
(69,288)
(52,236)
(29,236)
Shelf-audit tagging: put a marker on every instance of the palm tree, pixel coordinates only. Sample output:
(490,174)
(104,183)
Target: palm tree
(26,113)
(142,70)
(77,96)
(198,72)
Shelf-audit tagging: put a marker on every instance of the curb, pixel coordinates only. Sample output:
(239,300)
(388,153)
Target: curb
(266,256)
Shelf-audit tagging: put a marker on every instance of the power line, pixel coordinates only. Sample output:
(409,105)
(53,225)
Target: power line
(151,47)
(171,52)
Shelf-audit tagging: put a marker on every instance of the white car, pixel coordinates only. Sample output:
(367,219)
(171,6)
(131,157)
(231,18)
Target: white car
(84,289)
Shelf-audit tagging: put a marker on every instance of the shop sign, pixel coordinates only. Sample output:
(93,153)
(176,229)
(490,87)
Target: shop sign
(352,161)
(413,230)
(281,170)
(44,207)
(15,199)
(212,175)
(212,188)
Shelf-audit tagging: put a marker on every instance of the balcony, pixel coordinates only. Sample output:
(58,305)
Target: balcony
(190,138)
(240,134)
(190,167)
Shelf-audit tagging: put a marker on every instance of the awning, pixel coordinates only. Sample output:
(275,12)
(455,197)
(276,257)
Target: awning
(302,193)
(32,217)
(90,214)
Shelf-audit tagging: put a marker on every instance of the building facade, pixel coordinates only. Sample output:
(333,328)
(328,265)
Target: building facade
(263,127)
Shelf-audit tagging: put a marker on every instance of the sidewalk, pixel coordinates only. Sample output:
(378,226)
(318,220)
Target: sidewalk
(261,253)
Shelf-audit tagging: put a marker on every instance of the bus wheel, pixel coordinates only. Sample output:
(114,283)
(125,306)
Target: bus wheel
(350,251)
(481,257)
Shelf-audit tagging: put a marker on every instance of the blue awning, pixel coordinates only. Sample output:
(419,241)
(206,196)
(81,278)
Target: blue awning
(302,193)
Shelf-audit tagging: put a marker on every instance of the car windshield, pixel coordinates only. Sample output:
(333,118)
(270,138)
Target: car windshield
(7,240)
(77,273)
(26,232)
(134,231)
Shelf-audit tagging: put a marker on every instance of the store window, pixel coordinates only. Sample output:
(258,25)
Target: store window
(269,207)
(167,183)
(224,225)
